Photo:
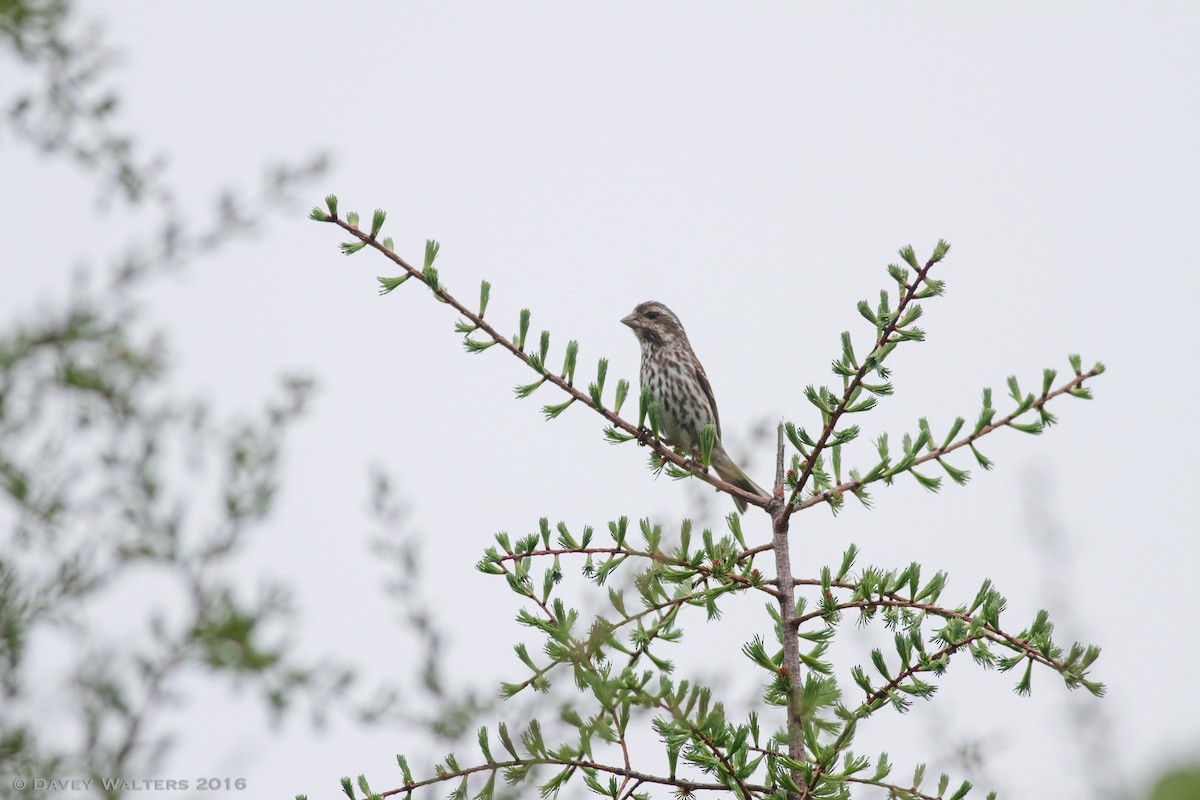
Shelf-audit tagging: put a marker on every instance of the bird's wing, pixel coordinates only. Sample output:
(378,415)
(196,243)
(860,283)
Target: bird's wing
(702,379)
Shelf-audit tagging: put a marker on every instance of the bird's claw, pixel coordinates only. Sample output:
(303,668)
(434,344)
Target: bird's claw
(643,436)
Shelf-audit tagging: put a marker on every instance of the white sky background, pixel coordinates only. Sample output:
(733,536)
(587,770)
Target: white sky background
(755,168)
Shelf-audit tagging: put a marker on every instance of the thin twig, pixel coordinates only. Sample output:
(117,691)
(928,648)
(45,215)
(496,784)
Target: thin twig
(853,385)
(706,573)
(679,784)
(994,634)
(854,485)
(936,453)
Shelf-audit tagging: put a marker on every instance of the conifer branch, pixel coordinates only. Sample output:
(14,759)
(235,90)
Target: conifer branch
(666,454)
(705,573)
(855,382)
(833,494)
(681,785)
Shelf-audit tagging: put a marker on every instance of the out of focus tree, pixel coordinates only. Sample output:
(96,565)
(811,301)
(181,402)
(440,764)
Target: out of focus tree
(123,506)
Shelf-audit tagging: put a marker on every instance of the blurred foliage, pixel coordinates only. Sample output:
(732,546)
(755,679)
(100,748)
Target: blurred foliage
(125,508)
(1179,784)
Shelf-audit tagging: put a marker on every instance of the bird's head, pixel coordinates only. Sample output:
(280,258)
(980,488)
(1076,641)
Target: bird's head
(655,324)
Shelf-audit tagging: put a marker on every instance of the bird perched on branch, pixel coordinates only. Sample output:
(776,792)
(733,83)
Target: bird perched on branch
(681,390)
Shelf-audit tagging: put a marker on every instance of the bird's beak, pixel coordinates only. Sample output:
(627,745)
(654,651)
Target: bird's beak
(630,320)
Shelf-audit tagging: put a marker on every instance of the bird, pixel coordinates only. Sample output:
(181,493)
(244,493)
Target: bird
(680,387)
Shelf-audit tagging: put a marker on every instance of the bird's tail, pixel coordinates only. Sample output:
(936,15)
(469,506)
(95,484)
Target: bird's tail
(730,472)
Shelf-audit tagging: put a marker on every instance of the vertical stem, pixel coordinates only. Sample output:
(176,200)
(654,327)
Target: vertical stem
(787,611)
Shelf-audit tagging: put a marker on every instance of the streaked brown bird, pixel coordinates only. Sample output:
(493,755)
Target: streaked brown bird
(679,386)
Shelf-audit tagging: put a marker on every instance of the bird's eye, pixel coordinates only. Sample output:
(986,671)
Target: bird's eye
(653,315)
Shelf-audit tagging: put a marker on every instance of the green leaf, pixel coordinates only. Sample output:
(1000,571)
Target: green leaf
(430,274)
(708,438)
(377,221)
(962,790)
(485,294)
(1023,686)
(352,219)
(913,314)
(402,762)
(986,413)
(864,308)
(818,399)
(622,392)
(866,405)
(505,740)
(798,437)
(954,429)
(318,215)
(482,737)
(386,285)
(568,370)
(643,406)
(552,411)
(734,521)
(431,252)
(932,289)
(940,250)
(615,436)
(523,330)
(488,792)
(959,476)
(931,484)
(524,391)
(983,460)
(910,256)
(331,202)
(473,346)
(596,389)
(1048,376)
(848,350)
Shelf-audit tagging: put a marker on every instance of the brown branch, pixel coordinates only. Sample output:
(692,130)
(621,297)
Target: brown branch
(853,385)
(994,634)
(786,583)
(936,453)
(909,672)
(628,795)
(706,573)
(663,452)
(683,785)
(895,789)
(851,486)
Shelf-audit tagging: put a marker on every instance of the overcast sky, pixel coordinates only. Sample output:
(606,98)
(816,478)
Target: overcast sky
(755,167)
